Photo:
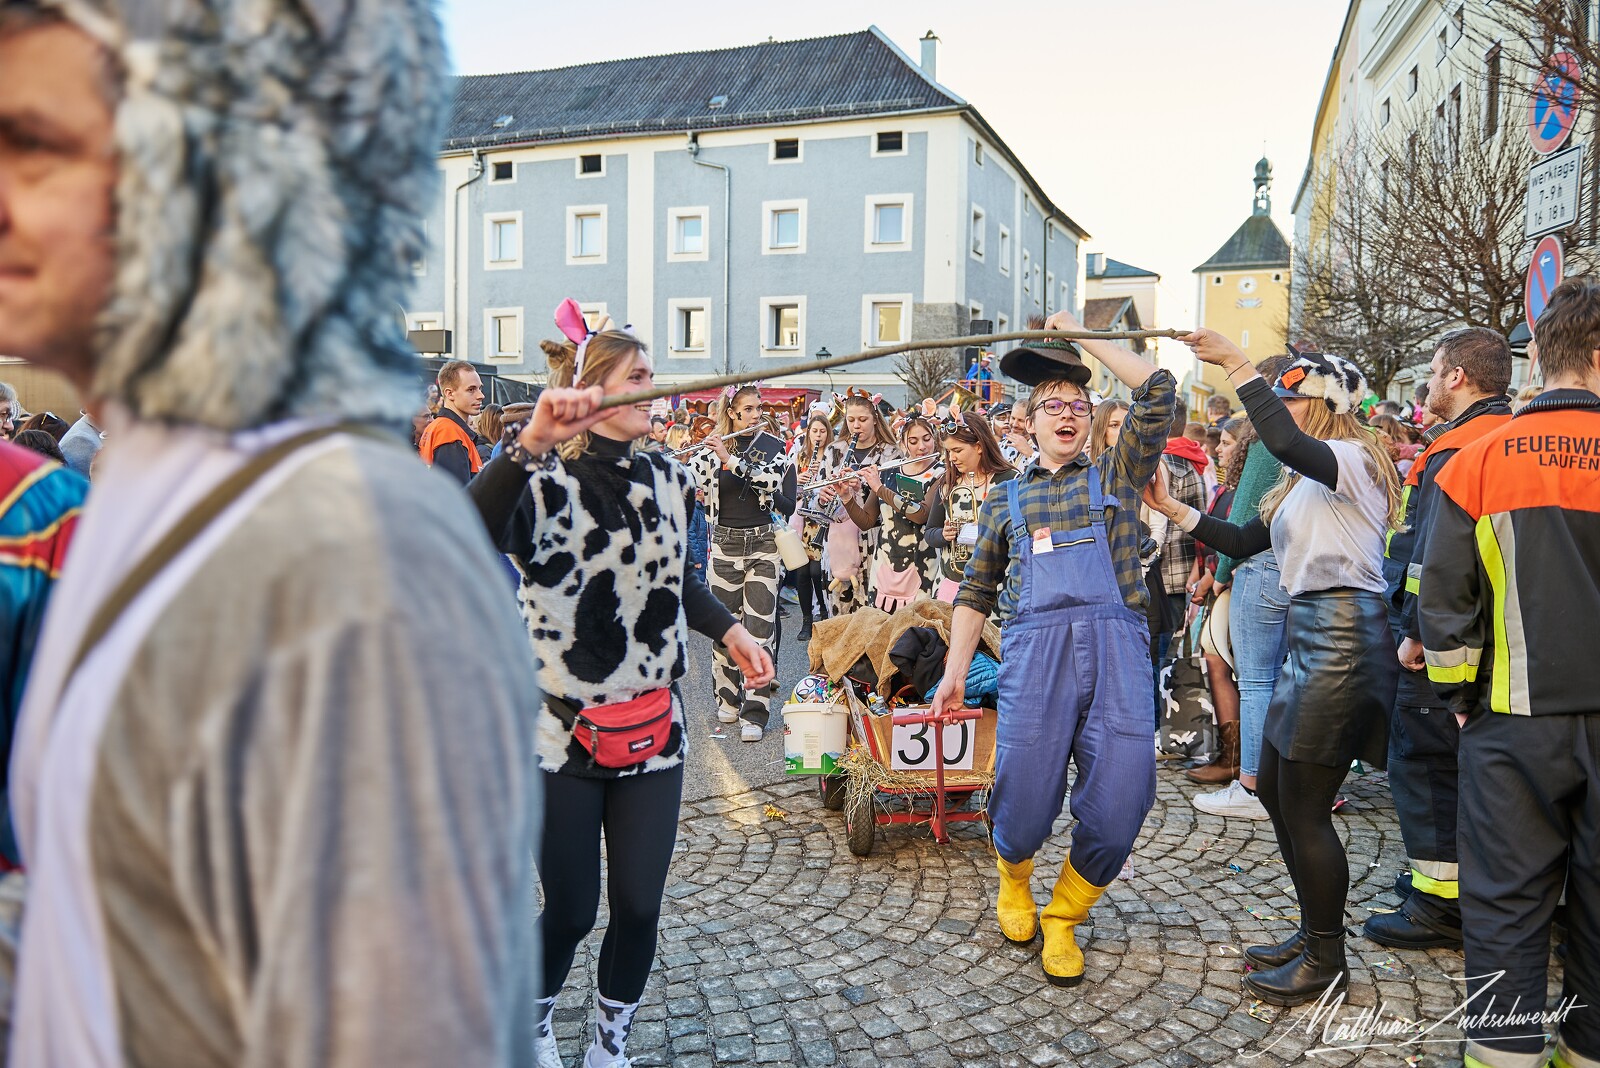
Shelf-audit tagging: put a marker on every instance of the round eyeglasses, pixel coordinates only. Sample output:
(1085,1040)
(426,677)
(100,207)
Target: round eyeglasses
(1055,406)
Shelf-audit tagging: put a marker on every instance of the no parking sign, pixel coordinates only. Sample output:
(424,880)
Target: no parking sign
(1553,105)
(1544,274)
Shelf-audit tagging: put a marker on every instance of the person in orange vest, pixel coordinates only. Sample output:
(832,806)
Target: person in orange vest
(1467,392)
(1510,592)
(450,443)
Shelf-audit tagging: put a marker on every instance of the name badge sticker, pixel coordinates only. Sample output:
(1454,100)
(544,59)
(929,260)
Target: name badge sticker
(1042,542)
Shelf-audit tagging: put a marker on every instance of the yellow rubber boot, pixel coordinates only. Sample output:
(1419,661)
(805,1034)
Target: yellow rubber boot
(1069,906)
(1018,915)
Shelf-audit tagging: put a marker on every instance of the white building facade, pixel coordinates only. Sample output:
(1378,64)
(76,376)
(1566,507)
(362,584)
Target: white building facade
(740,209)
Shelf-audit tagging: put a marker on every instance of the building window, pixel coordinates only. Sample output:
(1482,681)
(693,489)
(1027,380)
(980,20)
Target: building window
(785,230)
(1027,205)
(1244,339)
(1491,92)
(502,339)
(1050,232)
(1441,47)
(592,166)
(786,148)
(503,241)
(1036,293)
(783,324)
(890,143)
(1458,24)
(1216,280)
(1050,291)
(502,171)
(974,313)
(1383,113)
(1411,83)
(1066,295)
(977,152)
(686,234)
(593,313)
(888,319)
(1003,241)
(586,234)
(1027,264)
(1453,124)
(1277,276)
(1002,323)
(688,325)
(977,242)
(888,223)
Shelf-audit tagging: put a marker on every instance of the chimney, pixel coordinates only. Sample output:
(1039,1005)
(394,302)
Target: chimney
(930,56)
(1097,264)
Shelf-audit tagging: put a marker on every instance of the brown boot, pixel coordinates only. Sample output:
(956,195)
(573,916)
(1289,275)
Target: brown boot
(1225,768)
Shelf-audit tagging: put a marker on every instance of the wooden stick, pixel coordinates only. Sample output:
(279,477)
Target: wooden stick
(741,377)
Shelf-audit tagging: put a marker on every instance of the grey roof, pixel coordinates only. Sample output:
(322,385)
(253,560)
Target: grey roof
(853,75)
(1258,243)
(849,75)
(1118,269)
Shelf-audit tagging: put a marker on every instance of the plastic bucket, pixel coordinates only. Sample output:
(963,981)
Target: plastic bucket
(814,738)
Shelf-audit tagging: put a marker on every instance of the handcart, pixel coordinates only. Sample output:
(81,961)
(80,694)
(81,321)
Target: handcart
(915,783)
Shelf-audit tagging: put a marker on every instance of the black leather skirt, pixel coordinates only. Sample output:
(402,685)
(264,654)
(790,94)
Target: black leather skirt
(1331,704)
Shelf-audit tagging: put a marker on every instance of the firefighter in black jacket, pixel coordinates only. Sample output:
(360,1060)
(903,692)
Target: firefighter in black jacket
(1471,370)
(1510,599)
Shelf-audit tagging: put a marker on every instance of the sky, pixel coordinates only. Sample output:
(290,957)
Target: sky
(1142,119)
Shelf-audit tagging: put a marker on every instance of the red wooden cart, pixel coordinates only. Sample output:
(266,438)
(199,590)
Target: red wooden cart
(896,795)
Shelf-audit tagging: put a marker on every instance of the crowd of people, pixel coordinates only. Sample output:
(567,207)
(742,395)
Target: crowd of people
(286,766)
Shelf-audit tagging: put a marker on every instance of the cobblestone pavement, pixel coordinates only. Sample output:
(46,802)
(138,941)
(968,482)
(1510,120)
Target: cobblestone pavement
(778,946)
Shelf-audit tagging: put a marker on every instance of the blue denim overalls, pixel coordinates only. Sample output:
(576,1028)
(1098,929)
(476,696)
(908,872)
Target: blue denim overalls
(1075,683)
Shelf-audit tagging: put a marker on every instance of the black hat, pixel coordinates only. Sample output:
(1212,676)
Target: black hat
(1046,361)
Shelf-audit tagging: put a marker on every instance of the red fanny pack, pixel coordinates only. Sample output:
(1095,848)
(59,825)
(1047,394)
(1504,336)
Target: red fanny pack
(628,733)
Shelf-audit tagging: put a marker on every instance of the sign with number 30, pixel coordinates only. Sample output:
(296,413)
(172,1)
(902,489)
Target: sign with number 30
(913,747)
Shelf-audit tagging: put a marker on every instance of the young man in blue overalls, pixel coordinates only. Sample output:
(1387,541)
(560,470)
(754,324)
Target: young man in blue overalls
(1058,554)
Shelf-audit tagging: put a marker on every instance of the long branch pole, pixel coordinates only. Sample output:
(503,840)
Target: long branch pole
(740,378)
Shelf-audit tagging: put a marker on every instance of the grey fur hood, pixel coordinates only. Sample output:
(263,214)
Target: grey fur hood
(276,160)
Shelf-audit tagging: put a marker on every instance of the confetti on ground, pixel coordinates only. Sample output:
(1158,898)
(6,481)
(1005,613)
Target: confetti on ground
(1226,950)
(1413,1060)
(1260,1011)
(1235,867)
(1380,911)
(1389,964)
(718,732)
(773,812)
(1127,870)
(1205,845)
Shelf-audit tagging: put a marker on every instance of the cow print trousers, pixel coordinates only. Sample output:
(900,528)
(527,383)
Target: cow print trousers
(744,577)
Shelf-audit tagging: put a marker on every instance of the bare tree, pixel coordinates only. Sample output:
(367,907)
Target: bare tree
(1354,300)
(926,372)
(1416,230)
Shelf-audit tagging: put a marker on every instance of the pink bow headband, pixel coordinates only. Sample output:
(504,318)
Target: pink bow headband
(575,328)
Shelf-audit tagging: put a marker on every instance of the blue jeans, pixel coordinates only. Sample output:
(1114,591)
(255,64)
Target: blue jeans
(1256,624)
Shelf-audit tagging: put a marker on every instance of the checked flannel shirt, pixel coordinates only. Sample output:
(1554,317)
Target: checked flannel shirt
(1060,500)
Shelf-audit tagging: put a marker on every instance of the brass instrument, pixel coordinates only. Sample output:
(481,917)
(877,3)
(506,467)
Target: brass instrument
(701,428)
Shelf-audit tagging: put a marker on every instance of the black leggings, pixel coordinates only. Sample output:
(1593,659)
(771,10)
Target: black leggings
(810,583)
(1299,797)
(639,815)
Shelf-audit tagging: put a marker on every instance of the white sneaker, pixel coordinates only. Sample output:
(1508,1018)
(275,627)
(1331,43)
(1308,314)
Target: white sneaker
(727,717)
(750,732)
(1232,800)
(545,1052)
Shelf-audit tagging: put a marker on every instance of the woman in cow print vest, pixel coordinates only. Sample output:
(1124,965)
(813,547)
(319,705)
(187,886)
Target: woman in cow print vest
(599,532)
(866,442)
(744,549)
(897,504)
